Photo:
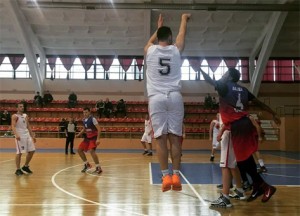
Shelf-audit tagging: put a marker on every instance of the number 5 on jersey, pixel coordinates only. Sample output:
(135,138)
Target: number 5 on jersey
(164,62)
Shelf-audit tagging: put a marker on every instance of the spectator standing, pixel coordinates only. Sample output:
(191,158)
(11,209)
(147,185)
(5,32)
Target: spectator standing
(70,135)
(62,127)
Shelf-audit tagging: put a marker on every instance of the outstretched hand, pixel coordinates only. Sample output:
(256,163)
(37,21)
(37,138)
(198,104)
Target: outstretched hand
(186,16)
(160,21)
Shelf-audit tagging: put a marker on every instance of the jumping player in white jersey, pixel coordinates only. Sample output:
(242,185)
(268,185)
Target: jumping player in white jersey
(24,138)
(166,108)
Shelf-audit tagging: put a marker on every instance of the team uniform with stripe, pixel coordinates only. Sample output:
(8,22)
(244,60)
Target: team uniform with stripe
(163,74)
(233,103)
(89,141)
(25,144)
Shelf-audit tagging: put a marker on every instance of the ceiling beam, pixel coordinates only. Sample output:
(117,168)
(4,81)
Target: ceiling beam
(173,6)
(274,27)
(21,27)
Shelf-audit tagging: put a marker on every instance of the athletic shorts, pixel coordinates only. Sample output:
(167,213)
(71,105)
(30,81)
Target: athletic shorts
(24,145)
(166,112)
(146,138)
(244,138)
(215,143)
(227,154)
(88,144)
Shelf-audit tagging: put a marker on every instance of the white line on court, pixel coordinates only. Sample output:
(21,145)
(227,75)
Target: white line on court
(7,160)
(150,173)
(81,198)
(91,204)
(90,201)
(270,174)
(192,188)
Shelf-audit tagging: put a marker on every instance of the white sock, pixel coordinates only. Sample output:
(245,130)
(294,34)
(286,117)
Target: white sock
(176,172)
(240,190)
(165,172)
(226,195)
(261,162)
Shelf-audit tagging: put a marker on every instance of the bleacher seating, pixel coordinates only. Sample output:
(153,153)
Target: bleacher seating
(45,120)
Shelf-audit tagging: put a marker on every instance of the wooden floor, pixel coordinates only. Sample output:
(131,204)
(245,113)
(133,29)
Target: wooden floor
(57,187)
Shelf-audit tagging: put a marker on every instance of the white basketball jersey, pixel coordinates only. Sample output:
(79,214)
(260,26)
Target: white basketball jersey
(163,69)
(21,124)
(147,126)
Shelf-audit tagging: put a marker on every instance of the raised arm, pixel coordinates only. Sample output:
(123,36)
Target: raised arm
(207,78)
(180,39)
(154,36)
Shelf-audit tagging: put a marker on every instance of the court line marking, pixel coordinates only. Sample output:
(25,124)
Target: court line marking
(191,187)
(270,174)
(282,157)
(7,160)
(81,198)
(150,173)
(86,204)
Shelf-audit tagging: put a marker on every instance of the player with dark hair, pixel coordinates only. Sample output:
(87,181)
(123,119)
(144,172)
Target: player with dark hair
(91,140)
(166,108)
(24,138)
(234,100)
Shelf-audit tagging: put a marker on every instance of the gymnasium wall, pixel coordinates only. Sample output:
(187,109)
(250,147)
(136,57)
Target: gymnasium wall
(272,94)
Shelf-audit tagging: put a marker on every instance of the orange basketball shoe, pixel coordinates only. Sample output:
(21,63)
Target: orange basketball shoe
(166,183)
(176,183)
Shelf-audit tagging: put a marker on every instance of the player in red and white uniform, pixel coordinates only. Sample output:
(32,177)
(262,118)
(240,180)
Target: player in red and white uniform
(91,131)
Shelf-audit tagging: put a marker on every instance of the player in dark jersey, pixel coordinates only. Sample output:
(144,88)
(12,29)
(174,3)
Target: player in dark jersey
(91,140)
(234,101)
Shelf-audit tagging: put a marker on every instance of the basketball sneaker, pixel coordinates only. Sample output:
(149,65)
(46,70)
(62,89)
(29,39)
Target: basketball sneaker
(19,172)
(212,158)
(86,167)
(237,195)
(222,202)
(269,191)
(26,169)
(145,152)
(149,154)
(247,186)
(262,169)
(166,183)
(176,184)
(255,193)
(98,170)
